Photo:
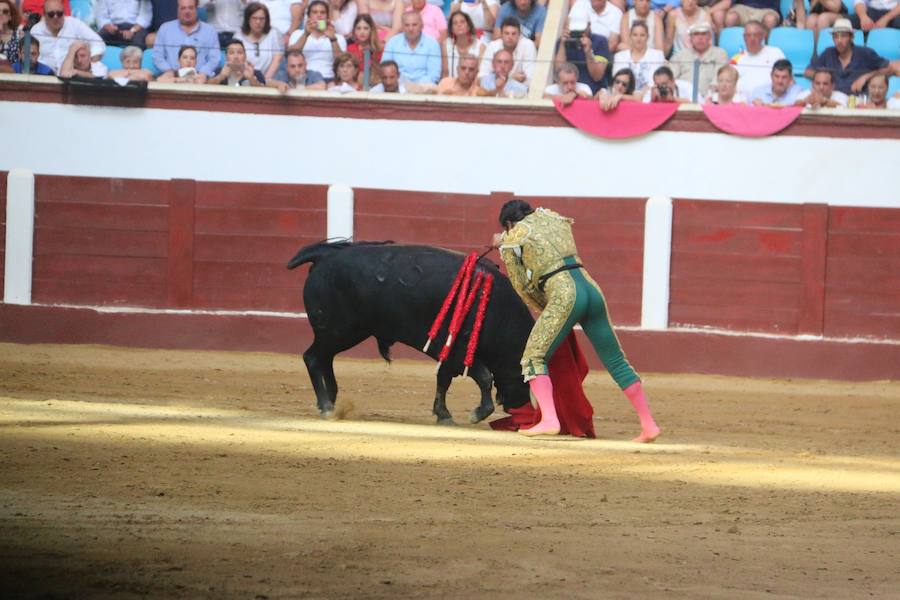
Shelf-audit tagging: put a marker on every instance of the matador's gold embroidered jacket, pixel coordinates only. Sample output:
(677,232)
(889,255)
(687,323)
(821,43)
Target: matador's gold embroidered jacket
(535,246)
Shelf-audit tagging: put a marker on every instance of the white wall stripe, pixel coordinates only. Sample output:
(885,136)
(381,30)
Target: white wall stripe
(657,257)
(340,212)
(19,236)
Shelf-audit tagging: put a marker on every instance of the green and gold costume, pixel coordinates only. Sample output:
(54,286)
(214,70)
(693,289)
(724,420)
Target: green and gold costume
(539,244)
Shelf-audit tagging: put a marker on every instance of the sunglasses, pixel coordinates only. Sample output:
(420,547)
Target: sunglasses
(256,48)
(54,14)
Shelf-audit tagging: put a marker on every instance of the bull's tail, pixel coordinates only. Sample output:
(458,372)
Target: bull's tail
(313,252)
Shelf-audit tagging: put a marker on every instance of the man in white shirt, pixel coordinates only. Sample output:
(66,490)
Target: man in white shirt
(123,21)
(875,14)
(390,79)
(57,32)
(710,57)
(567,86)
(523,51)
(823,94)
(603,17)
(755,63)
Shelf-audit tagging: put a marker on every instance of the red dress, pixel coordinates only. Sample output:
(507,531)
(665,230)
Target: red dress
(374,57)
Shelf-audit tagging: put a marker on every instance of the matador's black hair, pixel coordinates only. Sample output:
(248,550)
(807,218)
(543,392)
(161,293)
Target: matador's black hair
(514,211)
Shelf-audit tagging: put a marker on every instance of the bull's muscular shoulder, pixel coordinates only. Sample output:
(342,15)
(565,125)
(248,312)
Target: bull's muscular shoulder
(517,236)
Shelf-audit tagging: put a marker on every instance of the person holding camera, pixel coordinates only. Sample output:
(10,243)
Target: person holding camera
(237,71)
(585,48)
(664,88)
(318,40)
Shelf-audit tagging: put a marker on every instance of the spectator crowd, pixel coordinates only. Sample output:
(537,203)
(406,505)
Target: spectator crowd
(643,51)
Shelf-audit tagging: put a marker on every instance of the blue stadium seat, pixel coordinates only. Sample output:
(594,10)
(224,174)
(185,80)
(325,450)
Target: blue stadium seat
(787,5)
(893,87)
(111,58)
(731,40)
(202,13)
(147,62)
(826,41)
(803,82)
(797,45)
(886,42)
(83,10)
(849,5)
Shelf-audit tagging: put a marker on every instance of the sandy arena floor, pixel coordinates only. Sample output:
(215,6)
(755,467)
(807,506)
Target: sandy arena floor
(137,473)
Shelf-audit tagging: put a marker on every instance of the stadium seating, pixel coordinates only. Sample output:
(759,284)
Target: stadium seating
(893,86)
(147,62)
(803,82)
(83,10)
(787,5)
(731,40)
(886,42)
(826,41)
(111,58)
(797,45)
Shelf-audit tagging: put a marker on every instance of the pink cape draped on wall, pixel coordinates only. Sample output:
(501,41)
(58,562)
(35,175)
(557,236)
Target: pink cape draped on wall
(628,119)
(751,121)
(568,368)
(631,119)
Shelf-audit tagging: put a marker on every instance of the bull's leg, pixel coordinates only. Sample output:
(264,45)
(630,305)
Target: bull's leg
(440,398)
(485,380)
(319,366)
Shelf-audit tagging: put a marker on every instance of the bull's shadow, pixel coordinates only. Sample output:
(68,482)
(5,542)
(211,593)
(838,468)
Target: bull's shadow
(392,292)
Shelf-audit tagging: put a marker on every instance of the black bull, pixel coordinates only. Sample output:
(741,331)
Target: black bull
(393,293)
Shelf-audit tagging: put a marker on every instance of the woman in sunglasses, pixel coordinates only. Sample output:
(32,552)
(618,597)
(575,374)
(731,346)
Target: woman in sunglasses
(264,43)
(621,88)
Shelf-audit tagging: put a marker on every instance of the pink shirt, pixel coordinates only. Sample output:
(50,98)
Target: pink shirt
(433,21)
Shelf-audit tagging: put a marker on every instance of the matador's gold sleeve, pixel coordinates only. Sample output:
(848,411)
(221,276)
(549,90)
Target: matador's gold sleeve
(511,253)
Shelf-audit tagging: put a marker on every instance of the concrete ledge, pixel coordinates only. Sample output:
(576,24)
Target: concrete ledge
(678,351)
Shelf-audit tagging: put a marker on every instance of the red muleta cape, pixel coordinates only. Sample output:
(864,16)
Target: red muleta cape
(568,368)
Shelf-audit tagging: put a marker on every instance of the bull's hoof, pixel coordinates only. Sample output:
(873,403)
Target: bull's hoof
(480,413)
(327,414)
(446,421)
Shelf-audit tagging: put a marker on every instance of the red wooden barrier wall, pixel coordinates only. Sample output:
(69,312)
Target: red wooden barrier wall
(178,243)
(100,241)
(862,284)
(244,235)
(744,266)
(741,265)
